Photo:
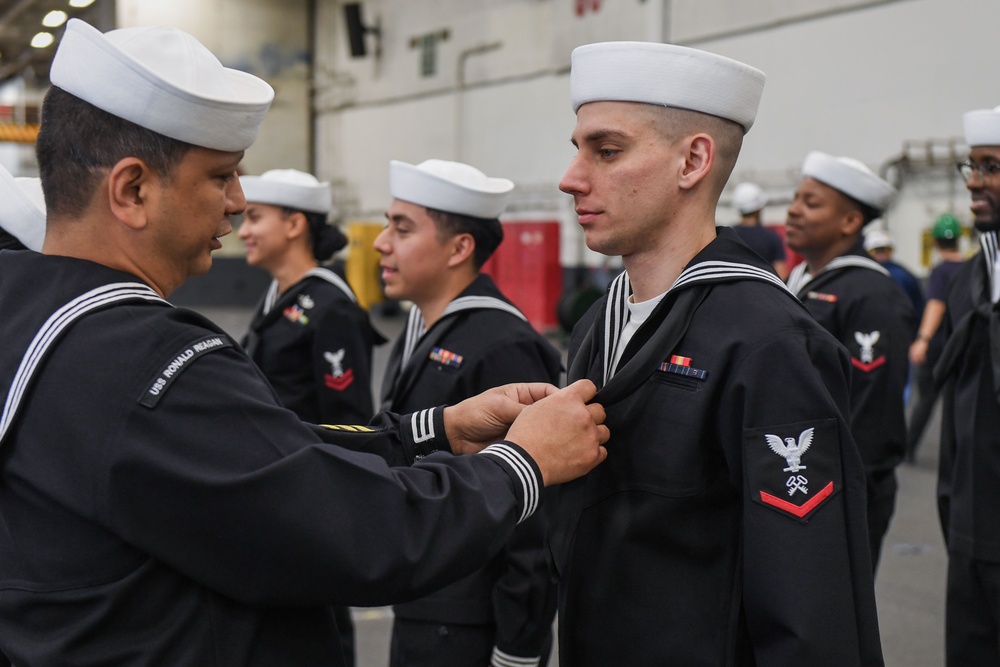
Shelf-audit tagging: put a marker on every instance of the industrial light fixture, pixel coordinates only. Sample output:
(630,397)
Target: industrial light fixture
(80,3)
(42,39)
(54,19)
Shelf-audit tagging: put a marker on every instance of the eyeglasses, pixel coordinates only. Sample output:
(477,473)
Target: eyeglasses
(984,169)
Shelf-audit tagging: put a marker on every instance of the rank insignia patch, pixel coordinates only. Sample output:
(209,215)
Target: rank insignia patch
(793,468)
(822,296)
(682,366)
(446,358)
(866,360)
(337,379)
(296,314)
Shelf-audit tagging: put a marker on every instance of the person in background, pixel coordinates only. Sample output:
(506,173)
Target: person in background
(308,335)
(159,505)
(22,212)
(880,246)
(22,226)
(855,299)
(969,462)
(925,350)
(726,526)
(749,200)
(463,337)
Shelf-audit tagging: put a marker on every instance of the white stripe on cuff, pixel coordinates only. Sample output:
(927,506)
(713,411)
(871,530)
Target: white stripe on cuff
(501,659)
(524,473)
(422,425)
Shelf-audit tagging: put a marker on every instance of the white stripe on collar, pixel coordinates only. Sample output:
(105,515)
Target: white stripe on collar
(616,312)
(799,279)
(415,327)
(615,318)
(991,252)
(319,272)
(54,326)
(716,270)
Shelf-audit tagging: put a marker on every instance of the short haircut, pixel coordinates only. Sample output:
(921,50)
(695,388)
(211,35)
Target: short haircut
(674,124)
(868,213)
(486,232)
(78,143)
(947,244)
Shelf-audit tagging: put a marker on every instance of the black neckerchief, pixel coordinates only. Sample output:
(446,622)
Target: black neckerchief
(726,259)
(969,334)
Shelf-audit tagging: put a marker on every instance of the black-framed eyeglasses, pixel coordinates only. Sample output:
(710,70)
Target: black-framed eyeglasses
(984,169)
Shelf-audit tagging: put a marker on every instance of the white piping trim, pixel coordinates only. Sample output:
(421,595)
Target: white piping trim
(422,425)
(415,328)
(799,279)
(523,470)
(54,326)
(271,297)
(501,659)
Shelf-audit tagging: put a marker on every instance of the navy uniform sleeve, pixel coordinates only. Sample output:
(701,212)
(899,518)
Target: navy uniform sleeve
(808,591)
(342,361)
(420,434)
(215,479)
(877,331)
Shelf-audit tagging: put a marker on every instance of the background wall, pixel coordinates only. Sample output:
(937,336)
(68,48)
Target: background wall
(486,81)
(268,38)
(883,81)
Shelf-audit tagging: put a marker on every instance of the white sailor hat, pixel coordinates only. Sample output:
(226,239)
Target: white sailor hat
(748,197)
(850,177)
(449,186)
(878,238)
(164,80)
(22,209)
(288,187)
(666,75)
(982,127)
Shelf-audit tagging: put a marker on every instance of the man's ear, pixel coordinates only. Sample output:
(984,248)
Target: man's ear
(698,152)
(130,189)
(462,248)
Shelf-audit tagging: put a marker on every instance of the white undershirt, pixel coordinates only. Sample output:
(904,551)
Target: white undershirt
(637,314)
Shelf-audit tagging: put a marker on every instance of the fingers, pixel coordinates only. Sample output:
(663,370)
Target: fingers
(597,412)
(582,389)
(531,392)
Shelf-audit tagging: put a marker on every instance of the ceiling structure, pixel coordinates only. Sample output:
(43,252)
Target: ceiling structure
(20,21)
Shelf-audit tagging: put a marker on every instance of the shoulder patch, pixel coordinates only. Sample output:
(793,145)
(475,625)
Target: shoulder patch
(865,360)
(339,378)
(176,365)
(795,468)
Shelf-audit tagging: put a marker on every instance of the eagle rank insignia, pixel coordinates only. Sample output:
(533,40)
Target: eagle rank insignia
(795,488)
